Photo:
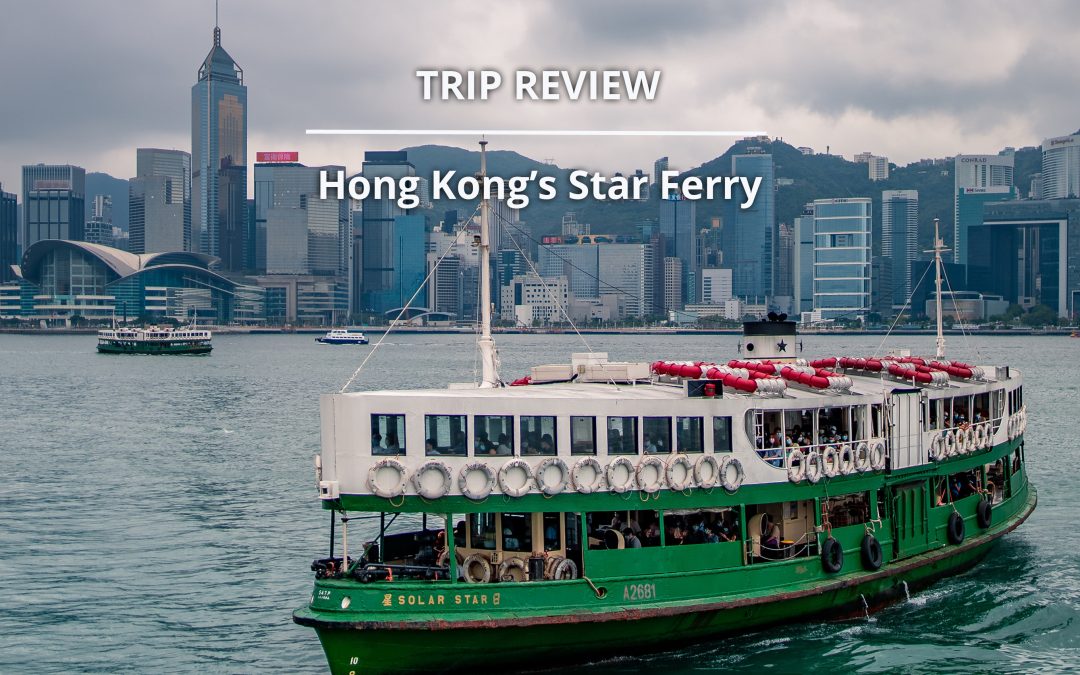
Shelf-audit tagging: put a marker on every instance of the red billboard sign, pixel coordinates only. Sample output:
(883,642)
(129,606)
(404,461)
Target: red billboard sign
(277,156)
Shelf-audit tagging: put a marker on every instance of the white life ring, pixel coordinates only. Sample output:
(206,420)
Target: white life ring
(515,485)
(1023,421)
(476,569)
(506,569)
(387,478)
(949,443)
(985,434)
(425,486)
(565,570)
(937,447)
(468,486)
(649,474)
(543,472)
(580,479)
(707,472)
(680,473)
(731,482)
(877,455)
(862,458)
(621,484)
(972,439)
(846,460)
(815,466)
(830,460)
(796,466)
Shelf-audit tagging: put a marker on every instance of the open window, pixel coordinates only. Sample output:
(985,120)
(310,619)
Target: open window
(446,435)
(388,434)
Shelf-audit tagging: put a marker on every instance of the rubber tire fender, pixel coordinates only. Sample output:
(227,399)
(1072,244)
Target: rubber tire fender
(984,513)
(832,556)
(872,555)
(956,528)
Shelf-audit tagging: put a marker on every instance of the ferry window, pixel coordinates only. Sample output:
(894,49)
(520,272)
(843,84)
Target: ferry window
(701,526)
(961,410)
(582,435)
(552,536)
(623,529)
(721,434)
(388,434)
(622,436)
(963,484)
(517,532)
(799,427)
(858,423)
(999,404)
(847,510)
(876,421)
(482,530)
(834,425)
(934,413)
(981,408)
(538,435)
(657,435)
(445,435)
(689,432)
(494,435)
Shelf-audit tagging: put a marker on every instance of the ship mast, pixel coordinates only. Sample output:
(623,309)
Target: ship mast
(489,358)
(939,248)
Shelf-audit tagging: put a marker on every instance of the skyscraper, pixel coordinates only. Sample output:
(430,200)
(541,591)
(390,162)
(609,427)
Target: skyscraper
(53,202)
(842,246)
(9,234)
(98,229)
(678,225)
(159,201)
(750,234)
(785,260)
(802,274)
(658,167)
(1060,177)
(219,157)
(977,171)
(969,214)
(900,238)
(377,244)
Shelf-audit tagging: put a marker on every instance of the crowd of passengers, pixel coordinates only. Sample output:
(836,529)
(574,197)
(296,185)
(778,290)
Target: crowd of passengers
(957,487)
(771,448)
(703,528)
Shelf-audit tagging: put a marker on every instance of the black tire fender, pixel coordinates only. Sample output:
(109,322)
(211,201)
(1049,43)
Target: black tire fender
(832,556)
(872,555)
(984,513)
(956,528)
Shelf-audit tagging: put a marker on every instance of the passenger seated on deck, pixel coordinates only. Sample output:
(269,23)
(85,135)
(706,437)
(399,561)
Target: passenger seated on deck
(376,442)
(770,542)
(458,447)
(503,448)
(651,535)
(614,442)
(483,445)
(651,447)
(429,447)
(630,539)
(724,530)
(676,533)
(547,446)
(392,443)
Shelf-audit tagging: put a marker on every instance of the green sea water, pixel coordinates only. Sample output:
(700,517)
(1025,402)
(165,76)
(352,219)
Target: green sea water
(158,514)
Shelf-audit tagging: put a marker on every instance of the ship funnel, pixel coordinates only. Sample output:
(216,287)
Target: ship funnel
(772,338)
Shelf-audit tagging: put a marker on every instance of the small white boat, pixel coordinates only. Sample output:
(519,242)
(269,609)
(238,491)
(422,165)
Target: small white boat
(343,336)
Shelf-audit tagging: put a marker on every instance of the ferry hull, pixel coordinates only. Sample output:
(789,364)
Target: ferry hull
(540,642)
(154,349)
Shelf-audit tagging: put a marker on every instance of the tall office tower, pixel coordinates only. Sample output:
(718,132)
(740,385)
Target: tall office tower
(627,270)
(673,275)
(571,227)
(750,234)
(99,228)
(785,260)
(969,214)
(219,157)
(678,225)
(295,231)
(389,244)
(715,286)
(53,202)
(710,240)
(9,234)
(802,275)
(978,172)
(842,262)
(1060,177)
(900,239)
(877,168)
(659,167)
(159,201)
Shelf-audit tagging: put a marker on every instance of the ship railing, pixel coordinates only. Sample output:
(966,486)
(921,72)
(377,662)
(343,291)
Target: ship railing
(777,456)
(805,546)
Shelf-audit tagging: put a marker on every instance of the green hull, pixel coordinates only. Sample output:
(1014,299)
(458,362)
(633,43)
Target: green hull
(154,348)
(434,626)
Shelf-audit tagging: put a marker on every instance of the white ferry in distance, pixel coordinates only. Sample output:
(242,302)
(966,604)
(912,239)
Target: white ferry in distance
(343,336)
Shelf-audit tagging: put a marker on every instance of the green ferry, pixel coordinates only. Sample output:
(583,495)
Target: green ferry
(154,340)
(601,508)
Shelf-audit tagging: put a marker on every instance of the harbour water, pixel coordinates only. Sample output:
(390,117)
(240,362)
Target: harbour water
(158,514)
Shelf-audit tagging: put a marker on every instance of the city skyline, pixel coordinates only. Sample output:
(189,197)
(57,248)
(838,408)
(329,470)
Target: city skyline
(873,92)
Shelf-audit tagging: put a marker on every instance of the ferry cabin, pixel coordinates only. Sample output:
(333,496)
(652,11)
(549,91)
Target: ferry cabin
(627,479)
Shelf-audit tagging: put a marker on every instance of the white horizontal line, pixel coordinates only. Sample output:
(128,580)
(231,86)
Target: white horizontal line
(521,132)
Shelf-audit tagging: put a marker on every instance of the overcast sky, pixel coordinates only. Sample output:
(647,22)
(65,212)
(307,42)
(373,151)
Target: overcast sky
(88,82)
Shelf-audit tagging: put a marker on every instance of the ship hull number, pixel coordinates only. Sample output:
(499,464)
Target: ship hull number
(633,592)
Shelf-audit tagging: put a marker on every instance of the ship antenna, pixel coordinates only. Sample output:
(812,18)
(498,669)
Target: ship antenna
(939,248)
(489,359)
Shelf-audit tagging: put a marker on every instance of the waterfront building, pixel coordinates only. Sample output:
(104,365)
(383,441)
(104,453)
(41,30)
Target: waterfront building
(68,279)
(1060,176)
(750,234)
(900,238)
(159,201)
(673,273)
(980,172)
(785,260)
(678,225)
(529,299)
(304,299)
(593,269)
(842,257)
(378,284)
(9,234)
(802,274)
(219,115)
(715,286)
(969,214)
(966,306)
(53,197)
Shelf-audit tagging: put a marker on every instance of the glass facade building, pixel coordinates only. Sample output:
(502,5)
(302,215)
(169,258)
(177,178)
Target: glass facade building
(159,201)
(678,226)
(750,234)
(969,214)
(219,157)
(977,171)
(295,231)
(900,239)
(54,198)
(9,234)
(376,284)
(842,257)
